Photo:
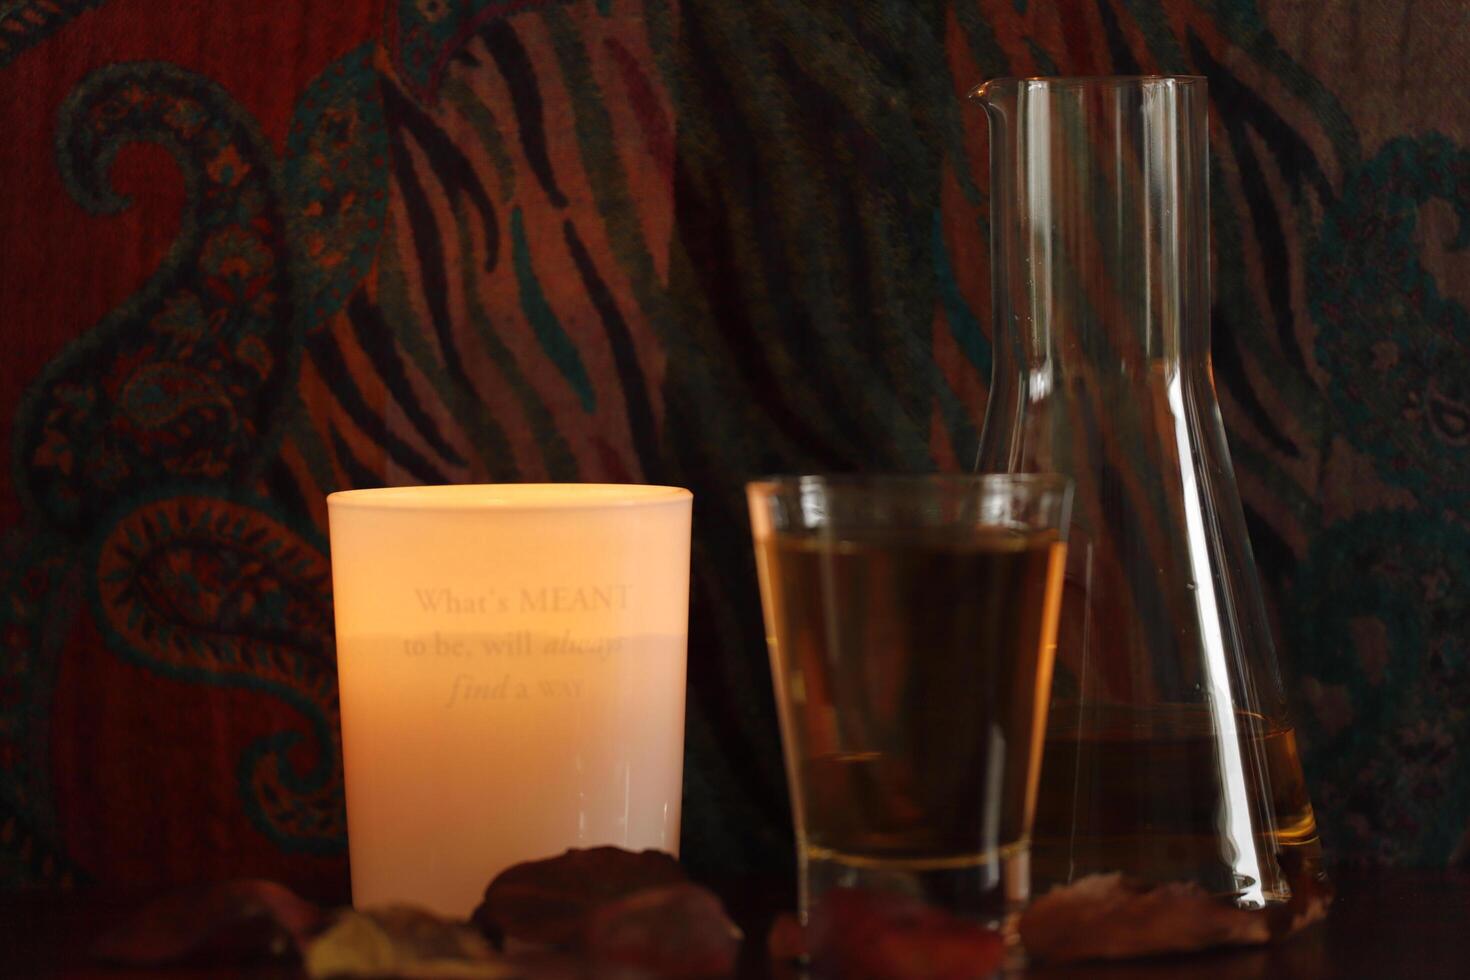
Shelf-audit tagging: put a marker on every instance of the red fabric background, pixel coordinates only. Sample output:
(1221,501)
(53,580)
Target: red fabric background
(56,286)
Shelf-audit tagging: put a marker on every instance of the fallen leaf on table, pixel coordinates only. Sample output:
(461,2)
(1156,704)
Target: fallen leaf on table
(1113,917)
(603,912)
(552,901)
(401,941)
(857,934)
(234,921)
(674,931)
(787,939)
(1311,897)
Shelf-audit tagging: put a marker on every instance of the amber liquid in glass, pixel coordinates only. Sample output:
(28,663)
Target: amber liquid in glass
(917,667)
(1147,791)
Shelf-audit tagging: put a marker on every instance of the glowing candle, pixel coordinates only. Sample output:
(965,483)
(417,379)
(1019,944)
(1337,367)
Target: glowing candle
(511,664)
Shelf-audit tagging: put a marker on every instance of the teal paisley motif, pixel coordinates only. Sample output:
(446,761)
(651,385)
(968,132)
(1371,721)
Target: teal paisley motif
(159,396)
(1380,635)
(336,180)
(205,588)
(174,399)
(176,382)
(1406,404)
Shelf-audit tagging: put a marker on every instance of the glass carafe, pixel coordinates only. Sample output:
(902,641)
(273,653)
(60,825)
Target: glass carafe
(1169,753)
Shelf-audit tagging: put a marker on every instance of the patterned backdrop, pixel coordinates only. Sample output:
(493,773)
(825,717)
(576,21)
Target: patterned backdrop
(252,253)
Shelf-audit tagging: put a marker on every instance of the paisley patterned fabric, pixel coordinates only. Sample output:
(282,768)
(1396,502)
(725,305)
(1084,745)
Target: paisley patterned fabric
(251,256)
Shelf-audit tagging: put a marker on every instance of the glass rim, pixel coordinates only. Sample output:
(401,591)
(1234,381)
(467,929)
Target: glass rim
(775,483)
(502,497)
(1081,81)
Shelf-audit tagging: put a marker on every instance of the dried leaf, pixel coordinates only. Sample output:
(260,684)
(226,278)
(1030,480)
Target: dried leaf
(864,935)
(1113,917)
(786,942)
(674,931)
(232,921)
(401,941)
(552,901)
(1311,897)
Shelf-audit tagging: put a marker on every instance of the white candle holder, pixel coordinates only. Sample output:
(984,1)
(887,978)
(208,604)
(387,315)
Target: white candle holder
(511,661)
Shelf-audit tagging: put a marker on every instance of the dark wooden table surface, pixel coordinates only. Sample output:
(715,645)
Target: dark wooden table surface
(1384,924)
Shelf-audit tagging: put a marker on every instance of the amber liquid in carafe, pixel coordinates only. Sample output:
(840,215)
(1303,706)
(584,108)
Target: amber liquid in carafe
(1149,792)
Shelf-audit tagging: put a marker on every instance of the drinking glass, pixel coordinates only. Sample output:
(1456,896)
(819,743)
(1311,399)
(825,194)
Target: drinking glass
(911,624)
